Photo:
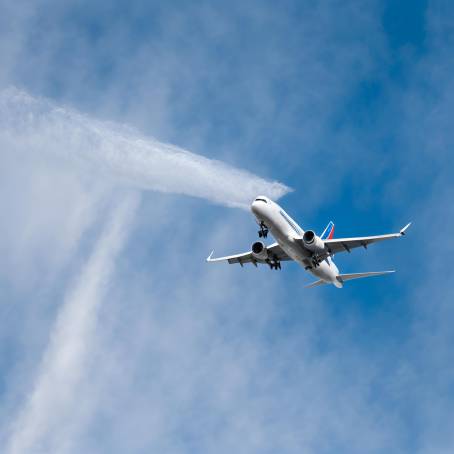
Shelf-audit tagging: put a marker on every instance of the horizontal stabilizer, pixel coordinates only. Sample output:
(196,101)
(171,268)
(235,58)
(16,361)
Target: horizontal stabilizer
(349,277)
(316,284)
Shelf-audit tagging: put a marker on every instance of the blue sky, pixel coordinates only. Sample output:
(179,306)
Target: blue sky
(116,336)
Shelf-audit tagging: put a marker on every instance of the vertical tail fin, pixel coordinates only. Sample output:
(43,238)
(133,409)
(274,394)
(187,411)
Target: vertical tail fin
(328,233)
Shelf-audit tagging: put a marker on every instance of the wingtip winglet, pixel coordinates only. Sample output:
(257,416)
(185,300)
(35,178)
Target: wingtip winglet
(210,256)
(402,231)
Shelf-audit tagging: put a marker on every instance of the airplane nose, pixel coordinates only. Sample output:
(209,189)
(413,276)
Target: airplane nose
(258,208)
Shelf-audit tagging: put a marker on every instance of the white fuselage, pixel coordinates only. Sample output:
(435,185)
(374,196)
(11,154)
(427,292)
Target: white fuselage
(289,234)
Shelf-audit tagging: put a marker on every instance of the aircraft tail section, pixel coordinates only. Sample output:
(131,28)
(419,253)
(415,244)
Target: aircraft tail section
(328,233)
(339,282)
(316,284)
(348,277)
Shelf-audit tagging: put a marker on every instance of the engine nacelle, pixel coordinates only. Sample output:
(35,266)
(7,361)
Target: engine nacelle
(259,251)
(313,242)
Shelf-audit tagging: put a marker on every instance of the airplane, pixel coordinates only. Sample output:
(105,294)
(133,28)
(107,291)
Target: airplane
(315,253)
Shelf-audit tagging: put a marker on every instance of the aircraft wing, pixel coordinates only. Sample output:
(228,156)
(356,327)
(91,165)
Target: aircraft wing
(336,245)
(275,251)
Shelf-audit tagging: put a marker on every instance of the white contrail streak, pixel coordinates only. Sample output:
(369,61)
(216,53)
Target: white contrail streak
(34,125)
(54,396)
(122,153)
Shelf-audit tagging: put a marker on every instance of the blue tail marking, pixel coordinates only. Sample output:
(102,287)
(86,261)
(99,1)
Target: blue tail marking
(328,233)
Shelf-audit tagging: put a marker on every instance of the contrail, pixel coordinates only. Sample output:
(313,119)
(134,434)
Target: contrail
(122,153)
(38,427)
(29,124)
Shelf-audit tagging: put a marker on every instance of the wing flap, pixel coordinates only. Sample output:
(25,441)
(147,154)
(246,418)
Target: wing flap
(246,257)
(274,250)
(346,244)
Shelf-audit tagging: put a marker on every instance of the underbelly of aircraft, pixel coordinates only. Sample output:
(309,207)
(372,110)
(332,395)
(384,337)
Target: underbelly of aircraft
(325,271)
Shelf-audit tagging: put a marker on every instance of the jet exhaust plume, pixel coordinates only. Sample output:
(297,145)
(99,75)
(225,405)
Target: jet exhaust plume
(123,153)
(35,125)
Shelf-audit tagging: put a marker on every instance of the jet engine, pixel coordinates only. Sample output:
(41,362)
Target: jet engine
(313,242)
(259,251)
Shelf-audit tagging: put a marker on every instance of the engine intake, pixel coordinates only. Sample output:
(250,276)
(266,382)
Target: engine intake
(313,242)
(259,250)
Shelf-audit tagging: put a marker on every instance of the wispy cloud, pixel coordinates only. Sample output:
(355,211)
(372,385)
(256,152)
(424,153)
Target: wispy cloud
(225,359)
(123,154)
(34,125)
(63,365)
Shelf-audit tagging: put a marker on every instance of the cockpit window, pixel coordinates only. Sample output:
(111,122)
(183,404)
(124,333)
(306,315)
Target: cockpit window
(258,199)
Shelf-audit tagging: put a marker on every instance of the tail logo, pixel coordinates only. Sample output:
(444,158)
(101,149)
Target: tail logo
(328,233)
